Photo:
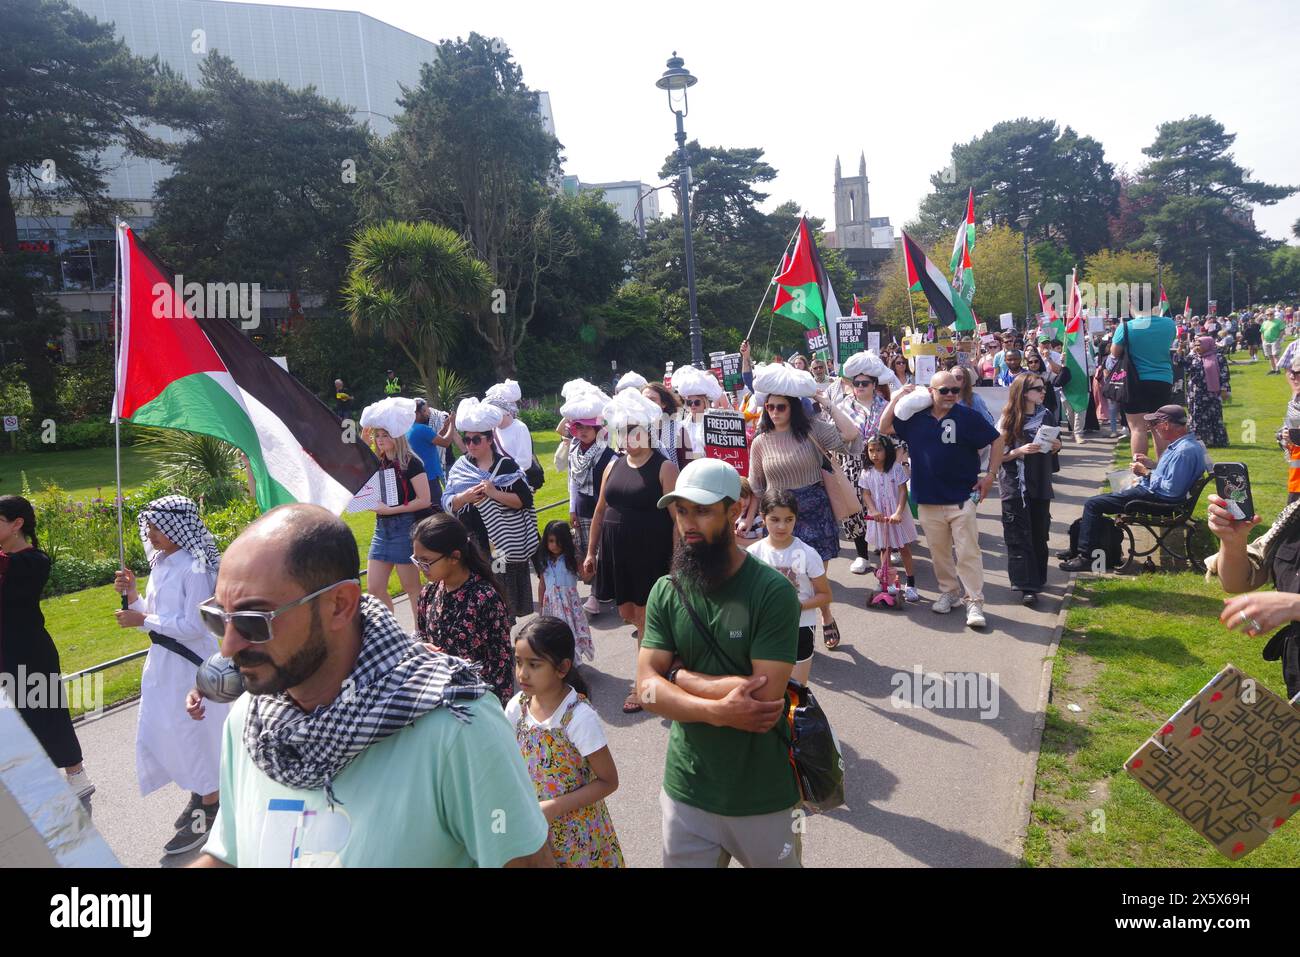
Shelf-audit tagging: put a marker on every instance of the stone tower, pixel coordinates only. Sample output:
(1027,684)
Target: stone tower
(852,207)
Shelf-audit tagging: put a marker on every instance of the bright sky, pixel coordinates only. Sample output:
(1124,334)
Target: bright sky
(900,81)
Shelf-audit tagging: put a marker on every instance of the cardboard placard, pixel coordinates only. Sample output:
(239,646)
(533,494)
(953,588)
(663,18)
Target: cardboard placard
(849,337)
(1227,763)
(817,341)
(724,438)
(873,342)
(732,379)
(380,489)
(1007,321)
(1096,324)
(924,369)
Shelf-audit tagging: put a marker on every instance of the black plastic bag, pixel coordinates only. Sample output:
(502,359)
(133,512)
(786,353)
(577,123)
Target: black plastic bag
(814,752)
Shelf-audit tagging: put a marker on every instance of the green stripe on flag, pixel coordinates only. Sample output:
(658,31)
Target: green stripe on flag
(805,306)
(198,403)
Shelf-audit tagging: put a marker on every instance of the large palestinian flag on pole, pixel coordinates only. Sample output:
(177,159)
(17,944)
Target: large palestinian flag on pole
(925,277)
(1076,350)
(804,293)
(963,273)
(179,370)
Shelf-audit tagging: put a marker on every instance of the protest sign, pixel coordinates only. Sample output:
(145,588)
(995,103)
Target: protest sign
(1227,763)
(724,438)
(1007,321)
(731,375)
(817,340)
(873,342)
(849,337)
(924,369)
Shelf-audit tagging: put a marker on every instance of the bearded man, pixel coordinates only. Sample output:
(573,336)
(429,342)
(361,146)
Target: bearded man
(720,641)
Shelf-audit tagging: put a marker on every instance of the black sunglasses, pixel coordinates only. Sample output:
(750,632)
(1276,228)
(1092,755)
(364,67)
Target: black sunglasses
(948,390)
(863,383)
(255,626)
(475,439)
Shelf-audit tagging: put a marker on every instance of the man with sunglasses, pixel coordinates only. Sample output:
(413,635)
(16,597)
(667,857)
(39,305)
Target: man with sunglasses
(944,444)
(354,746)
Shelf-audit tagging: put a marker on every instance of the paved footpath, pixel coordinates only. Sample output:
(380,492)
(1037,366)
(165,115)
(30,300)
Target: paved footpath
(925,787)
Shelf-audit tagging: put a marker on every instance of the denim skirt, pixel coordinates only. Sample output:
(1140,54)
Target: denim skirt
(392,540)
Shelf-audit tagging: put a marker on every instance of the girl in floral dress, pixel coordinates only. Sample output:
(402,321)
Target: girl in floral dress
(564,746)
(884,494)
(557,584)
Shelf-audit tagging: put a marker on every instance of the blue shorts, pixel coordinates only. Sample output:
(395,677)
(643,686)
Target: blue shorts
(392,541)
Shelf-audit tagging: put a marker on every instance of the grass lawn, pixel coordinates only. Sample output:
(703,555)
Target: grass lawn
(1133,650)
(82,623)
(83,473)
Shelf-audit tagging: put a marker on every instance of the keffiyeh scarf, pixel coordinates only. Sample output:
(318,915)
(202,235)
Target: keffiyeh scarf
(465,474)
(177,517)
(582,462)
(394,682)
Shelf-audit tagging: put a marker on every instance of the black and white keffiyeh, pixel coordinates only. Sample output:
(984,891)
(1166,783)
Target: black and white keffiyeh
(177,517)
(581,461)
(395,681)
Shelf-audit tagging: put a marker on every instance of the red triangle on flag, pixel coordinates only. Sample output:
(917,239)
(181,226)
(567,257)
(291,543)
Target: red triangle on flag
(800,270)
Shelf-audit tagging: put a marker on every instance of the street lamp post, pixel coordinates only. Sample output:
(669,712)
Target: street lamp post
(676,80)
(1023,220)
(1232,281)
(1207,282)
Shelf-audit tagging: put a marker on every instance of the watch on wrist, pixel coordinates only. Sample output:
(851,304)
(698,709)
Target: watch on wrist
(672,675)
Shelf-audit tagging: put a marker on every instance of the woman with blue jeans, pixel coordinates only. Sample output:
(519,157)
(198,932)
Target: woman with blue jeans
(391,545)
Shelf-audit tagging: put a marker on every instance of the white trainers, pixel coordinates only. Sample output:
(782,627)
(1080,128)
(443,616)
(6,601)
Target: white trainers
(945,603)
(911,595)
(860,566)
(591,606)
(975,615)
(81,784)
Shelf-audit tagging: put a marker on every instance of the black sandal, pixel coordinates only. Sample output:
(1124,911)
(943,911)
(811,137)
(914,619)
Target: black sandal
(831,636)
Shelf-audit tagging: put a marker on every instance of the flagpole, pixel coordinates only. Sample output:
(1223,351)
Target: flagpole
(776,272)
(117,392)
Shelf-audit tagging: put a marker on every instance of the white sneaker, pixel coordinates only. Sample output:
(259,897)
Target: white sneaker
(81,784)
(591,606)
(975,615)
(944,603)
(860,566)
(911,595)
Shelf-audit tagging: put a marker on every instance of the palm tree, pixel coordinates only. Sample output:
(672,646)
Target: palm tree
(414,282)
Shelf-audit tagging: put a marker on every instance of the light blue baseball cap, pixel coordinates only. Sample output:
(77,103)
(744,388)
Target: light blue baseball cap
(705,482)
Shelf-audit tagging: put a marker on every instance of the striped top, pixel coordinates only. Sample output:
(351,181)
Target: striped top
(780,460)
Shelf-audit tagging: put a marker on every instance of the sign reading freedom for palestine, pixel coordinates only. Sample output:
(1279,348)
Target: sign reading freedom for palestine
(724,438)
(1227,763)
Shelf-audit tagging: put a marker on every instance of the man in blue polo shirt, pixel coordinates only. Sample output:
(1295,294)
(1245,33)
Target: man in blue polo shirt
(944,444)
(1166,482)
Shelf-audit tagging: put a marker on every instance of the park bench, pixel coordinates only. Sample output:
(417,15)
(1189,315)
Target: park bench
(1166,524)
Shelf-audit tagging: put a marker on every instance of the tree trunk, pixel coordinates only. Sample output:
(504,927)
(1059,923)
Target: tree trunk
(30,328)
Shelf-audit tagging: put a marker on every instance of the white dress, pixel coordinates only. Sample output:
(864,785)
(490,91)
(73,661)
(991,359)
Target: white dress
(169,744)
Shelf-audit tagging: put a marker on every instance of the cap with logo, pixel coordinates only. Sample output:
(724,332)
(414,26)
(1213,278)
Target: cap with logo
(1174,414)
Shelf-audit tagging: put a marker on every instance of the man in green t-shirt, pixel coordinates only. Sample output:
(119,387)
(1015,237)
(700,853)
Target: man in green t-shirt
(1270,331)
(352,746)
(729,789)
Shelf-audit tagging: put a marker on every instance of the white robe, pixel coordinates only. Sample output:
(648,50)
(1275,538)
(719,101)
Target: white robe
(169,744)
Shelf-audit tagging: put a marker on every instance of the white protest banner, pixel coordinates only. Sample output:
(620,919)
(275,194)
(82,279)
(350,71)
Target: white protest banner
(1007,321)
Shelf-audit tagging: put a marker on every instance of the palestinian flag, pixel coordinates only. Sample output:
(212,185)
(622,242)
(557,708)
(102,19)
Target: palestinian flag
(924,276)
(1187,308)
(1076,351)
(963,274)
(804,293)
(857,307)
(176,370)
(1164,303)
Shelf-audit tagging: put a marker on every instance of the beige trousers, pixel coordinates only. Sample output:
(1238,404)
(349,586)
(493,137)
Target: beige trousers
(949,527)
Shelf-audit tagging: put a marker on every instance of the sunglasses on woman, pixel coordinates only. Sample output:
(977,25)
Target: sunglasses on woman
(694,402)
(255,626)
(1035,388)
(863,383)
(475,439)
(776,407)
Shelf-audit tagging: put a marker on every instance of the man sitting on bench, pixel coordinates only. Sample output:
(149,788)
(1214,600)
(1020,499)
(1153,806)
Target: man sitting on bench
(1163,485)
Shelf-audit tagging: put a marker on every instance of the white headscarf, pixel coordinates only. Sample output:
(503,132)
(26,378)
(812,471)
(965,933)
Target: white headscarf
(395,415)
(475,416)
(688,381)
(630,380)
(628,409)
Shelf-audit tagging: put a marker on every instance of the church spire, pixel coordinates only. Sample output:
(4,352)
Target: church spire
(862,164)
(837,169)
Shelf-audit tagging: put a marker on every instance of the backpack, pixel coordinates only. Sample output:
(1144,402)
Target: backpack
(1110,538)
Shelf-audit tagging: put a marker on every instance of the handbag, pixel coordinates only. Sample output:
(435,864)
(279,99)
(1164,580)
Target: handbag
(845,503)
(1120,384)
(814,749)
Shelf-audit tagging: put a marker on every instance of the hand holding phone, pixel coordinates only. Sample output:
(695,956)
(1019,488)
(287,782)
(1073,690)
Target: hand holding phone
(1232,481)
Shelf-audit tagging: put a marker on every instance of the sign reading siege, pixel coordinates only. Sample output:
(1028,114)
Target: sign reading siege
(849,337)
(1227,763)
(731,377)
(818,341)
(724,438)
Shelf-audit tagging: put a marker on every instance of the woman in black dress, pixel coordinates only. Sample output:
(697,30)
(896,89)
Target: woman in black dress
(24,642)
(631,533)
